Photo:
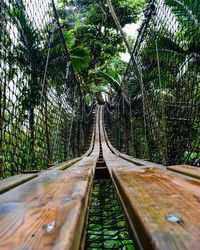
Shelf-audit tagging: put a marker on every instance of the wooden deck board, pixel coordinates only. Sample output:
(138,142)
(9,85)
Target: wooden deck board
(151,196)
(129,158)
(186,170)
(50,212)
(65,165)
(59,196)
(14,181)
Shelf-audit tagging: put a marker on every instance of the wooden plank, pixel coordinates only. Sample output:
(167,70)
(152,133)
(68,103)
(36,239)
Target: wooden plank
(14,181)
(152,199)
(111,158)
(65,165)
(56,201)
(31,171)
(69,163)
(116,159)
(186,170)
(50,212)
(135,161)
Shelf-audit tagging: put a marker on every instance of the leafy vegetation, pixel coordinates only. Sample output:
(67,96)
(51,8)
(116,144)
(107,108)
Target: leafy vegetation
(169,61)
(47,91)
(107,227)
(94,28)
(49,86)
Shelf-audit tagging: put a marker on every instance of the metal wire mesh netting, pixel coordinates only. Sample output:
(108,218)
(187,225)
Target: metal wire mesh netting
(106,225)
(156,115)
(42,114)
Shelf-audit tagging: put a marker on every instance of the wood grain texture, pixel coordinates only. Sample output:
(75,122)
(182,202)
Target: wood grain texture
(111,158)
(14,181)
(27,209)
(64,165)
(69,163)
(186,170)
(50,211)
(151,196)
(129,158)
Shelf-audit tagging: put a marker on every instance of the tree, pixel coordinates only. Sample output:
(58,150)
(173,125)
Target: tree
(119,27)
(31,61)
(95,28)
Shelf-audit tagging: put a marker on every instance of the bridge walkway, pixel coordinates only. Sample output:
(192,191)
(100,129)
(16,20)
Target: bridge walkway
(50,209)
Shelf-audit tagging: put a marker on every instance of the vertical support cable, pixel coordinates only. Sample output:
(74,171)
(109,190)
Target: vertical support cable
(163,125)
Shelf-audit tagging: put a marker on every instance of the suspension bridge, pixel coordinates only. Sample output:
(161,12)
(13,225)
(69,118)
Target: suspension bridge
(82,170)
(50,210)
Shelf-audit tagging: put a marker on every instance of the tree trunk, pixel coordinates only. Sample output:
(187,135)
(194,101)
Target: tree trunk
(79,122)
(84,125)
(98,95)
(73,139)
(99,98)
(78,137)
(117,23)
(65,147)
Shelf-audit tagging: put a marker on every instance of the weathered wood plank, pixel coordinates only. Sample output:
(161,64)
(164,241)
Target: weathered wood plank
(152,199)
(14,181)
(109,150)
(111,158)
(186,170)
(49,212)
(69,163)
(57,201)
(65,165)
(135,161)
(31,171)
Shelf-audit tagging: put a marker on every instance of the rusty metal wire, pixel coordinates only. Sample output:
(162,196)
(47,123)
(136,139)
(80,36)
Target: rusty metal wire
(41,107)
(161,123)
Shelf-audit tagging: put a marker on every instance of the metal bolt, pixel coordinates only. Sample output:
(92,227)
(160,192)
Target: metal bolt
(173,218)
(49,227)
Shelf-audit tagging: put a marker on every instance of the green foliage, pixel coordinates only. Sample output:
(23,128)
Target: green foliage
(185,10)
(94,29)
(106,227)
(127,11)
(70,38)
(187,14)
(80,57)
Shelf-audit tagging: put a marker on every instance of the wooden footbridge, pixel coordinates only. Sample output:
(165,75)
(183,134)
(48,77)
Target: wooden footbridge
(50,209)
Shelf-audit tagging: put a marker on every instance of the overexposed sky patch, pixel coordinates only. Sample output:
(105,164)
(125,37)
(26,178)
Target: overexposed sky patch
(132,31)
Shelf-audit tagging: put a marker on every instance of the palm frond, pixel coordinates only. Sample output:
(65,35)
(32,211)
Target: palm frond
(70,38)
(185,10)
(80,57)
(29,37)
(110,79)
